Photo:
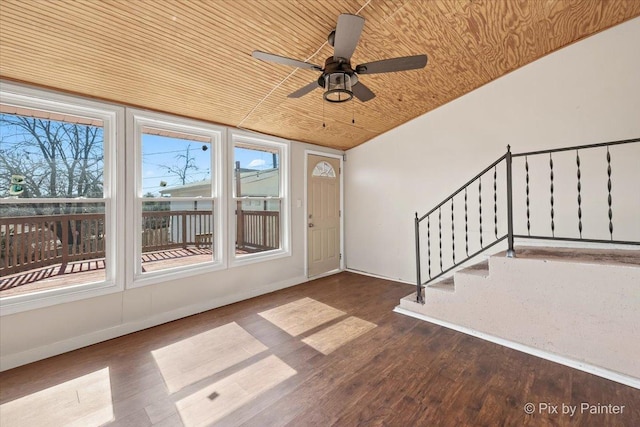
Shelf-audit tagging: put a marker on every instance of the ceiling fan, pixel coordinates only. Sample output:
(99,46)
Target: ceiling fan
(339,80)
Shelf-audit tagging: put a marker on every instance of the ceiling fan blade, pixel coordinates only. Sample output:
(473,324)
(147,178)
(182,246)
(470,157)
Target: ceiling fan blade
(264,56)
(347,35)
(362,92)
(304,90)
(403,63)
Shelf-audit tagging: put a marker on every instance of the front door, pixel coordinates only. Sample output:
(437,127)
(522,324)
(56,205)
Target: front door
(323,209)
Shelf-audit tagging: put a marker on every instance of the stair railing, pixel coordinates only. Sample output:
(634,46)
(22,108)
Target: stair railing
(503,224)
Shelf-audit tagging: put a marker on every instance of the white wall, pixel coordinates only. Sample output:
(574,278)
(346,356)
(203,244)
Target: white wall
(588,92)
(36,334)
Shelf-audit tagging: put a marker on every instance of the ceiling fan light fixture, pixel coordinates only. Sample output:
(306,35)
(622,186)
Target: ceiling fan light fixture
(337,87)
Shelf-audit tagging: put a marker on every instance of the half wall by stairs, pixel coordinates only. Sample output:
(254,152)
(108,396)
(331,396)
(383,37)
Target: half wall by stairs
(580,305)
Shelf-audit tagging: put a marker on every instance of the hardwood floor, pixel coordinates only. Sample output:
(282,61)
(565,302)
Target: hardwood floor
(240,366)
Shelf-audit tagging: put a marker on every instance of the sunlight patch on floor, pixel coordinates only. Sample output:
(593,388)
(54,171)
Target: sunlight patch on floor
(301,316)
(214,402)
(82,401)
(200,356)
(334,336)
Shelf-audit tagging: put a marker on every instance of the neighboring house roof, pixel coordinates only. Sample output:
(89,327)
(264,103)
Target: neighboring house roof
(252,181)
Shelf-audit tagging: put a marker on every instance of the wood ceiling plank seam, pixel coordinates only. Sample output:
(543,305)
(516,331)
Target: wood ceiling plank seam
(266,67)
(99,65)
(379,12)
(205,19)
(267,35)
(92,35)
(267,71)
(99,62)
(138,102)
(69,47)
(157,31)
(279,82)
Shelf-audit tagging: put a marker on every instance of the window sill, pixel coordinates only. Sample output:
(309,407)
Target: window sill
(238,261)
(32,301)
(161,276)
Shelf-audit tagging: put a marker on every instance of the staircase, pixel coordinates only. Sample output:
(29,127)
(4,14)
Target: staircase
(577,306)
(580,305)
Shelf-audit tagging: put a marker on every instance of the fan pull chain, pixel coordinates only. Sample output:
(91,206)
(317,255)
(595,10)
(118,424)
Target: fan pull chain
(353,112)
(323,124)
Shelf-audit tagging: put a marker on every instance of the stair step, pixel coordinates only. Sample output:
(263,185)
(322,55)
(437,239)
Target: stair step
(480,269)
(620,257)
(444,285)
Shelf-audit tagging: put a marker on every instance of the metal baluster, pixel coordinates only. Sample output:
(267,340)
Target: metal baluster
(508,166)
(480,205)
(609,189)
(418,276)
(553,225)
(440,235)
(495,200)
(429,246)
(466,224)
(579,195)
(453,236)
(526,168)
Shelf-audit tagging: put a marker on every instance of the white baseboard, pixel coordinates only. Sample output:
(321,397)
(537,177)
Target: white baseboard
(38,353)
(582,366)
(377,276)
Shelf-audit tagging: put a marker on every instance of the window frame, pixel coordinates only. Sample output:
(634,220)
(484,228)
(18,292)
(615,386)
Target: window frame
(112,117)
(283,146)
(137,120)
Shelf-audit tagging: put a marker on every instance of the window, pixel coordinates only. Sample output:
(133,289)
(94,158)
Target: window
(72,227)
(324,169)
(58,213)
(176,201)
(259,202)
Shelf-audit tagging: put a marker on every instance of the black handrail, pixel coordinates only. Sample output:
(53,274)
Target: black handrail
(577,147)
(511,235)
(455,193)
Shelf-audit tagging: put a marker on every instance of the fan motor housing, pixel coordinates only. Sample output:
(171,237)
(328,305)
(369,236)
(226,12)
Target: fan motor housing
(337,65)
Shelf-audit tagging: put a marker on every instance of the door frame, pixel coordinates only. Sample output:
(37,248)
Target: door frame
(340,157)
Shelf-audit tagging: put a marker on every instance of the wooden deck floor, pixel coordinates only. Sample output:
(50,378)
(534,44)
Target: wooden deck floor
(76,273)
(329,352)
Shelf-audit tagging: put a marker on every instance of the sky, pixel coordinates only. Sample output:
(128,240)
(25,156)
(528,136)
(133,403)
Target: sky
(163,156)
(159,154)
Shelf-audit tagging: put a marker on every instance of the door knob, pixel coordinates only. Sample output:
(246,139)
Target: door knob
(310,225)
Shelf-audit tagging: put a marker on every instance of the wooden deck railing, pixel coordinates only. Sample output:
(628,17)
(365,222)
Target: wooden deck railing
(260,230)
(176,229)
(37,241)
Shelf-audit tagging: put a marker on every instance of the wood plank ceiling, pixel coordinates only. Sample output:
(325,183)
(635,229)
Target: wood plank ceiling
(193,58)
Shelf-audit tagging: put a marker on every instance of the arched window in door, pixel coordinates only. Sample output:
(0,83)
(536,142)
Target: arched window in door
(324,169)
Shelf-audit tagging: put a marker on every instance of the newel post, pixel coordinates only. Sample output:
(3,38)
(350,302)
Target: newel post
(420,298)
(510,251)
